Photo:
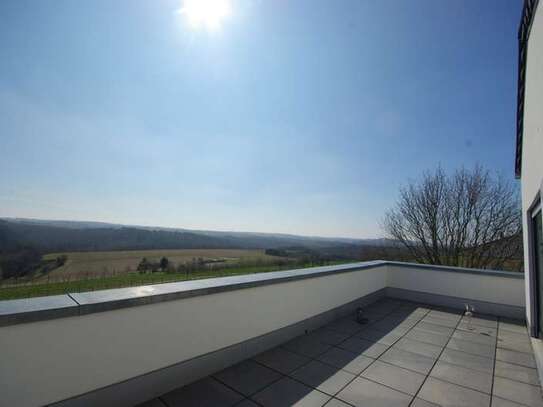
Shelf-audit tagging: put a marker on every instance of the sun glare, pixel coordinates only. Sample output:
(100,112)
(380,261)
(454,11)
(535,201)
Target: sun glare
(206,13)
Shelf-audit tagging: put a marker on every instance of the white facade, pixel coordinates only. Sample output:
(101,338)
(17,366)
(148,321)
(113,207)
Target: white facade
(532,144)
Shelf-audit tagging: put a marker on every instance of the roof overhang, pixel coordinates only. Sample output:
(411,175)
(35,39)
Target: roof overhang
(526,21)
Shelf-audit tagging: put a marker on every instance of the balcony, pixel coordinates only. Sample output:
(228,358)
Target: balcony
(278,339)
(406,353)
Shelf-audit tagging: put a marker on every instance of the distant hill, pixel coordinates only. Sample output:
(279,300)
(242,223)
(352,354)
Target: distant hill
(60,235)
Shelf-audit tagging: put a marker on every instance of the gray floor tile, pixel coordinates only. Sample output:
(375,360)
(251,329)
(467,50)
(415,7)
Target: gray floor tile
(364,347)
(247,377)
(401,318)
(445,313)
(514,336)
(426,349)
(347,326)
(348,361)
(444,322)
(375,313)
(152,403)
(408,360)
(518,392)
(451,395)
(398,329)
(369,320)
(337,403)
(478,329)
(463,376)
(323,377)
(246,403)
(478,349)
(422,403)
(499,402)
(204,393)
(518,327)
(373,335)
(362,392)
(516,372)
(396,377)
(427,337)
(435,329)
(517,358)
(481,364)
(282,360)
(287,392)
(488,321)
(474,337)
(514,341)
(449,320)
(307,346)
(415,314)
(329,336)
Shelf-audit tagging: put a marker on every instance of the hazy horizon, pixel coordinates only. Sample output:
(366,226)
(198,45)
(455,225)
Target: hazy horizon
(300,118)
(39,220)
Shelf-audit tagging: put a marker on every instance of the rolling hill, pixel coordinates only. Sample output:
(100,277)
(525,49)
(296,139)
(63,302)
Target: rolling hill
(55,236)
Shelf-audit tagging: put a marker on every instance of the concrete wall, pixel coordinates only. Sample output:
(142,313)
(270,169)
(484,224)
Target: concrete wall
(532,150)
(52,360)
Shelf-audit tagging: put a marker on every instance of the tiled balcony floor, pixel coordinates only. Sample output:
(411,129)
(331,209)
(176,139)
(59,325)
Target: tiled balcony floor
(407,355)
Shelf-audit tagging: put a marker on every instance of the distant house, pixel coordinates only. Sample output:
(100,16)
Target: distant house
(529,157)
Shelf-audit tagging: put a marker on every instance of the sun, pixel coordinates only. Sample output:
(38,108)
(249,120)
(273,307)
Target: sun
(206,13)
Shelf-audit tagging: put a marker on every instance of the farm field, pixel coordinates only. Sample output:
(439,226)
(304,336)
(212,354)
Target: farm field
(36,288)
(97,264)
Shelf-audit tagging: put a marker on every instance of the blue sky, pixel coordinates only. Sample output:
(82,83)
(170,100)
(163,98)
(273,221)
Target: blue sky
(294,116)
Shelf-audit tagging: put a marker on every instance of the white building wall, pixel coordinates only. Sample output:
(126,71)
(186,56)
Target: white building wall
(532,145)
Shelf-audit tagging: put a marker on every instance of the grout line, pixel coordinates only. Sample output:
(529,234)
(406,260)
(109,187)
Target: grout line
(315,358)
(363,370)
(396,308)
(414,371)
(374,360)
(233,389)
(494,364)
(437,359)
(310,359)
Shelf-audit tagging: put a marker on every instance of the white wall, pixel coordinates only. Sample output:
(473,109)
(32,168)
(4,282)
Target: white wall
(532,148)
(48,361)
(487,288)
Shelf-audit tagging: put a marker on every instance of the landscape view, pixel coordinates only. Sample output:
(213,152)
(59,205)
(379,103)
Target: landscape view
(271,203)
(42,257)
(201,151)
(469,219)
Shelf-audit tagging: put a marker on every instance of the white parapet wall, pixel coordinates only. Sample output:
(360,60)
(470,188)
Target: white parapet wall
(91,358)
(487,289)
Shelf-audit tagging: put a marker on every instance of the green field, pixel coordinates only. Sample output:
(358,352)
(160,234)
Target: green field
(35,288)
(88,265)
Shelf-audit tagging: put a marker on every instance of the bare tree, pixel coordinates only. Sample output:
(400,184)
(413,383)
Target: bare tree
(468,219)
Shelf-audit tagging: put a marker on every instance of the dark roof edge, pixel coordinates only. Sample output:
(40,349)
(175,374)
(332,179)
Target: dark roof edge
(528,13)
(43,308)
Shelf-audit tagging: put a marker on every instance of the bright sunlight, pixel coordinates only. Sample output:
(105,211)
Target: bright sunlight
(206,13)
